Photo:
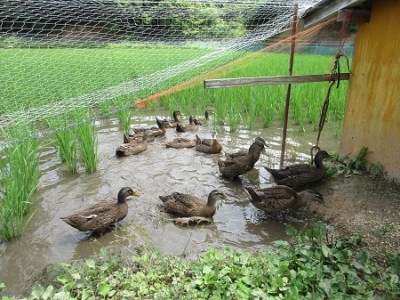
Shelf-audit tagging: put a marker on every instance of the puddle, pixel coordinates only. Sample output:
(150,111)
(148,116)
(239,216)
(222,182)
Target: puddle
(157,171)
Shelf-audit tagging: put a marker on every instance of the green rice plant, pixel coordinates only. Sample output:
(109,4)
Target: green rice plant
(298,111)
(220,109)
(234,115)
(67,148)
(314,114)
(88,143)
(19,174)
(124,118)
(267,114)
(252,112)
(65,143)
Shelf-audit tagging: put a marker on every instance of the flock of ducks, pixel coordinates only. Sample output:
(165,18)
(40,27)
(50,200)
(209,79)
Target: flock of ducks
(286,194)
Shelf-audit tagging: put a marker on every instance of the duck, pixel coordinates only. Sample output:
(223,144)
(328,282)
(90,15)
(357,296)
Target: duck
(181,143)
(174,121)
(281,197)
(99,217)
(299,175)
(190,127)
(186,205)
(139,137)
(211,146)
(158,131)
(232,168)
(236,154)
(206,118)
(133,147)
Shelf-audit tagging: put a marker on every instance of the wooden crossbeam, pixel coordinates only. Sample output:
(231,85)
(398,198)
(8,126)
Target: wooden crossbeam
(326,9)
(271,80)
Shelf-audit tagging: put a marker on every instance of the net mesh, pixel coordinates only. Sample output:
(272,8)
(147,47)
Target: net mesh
(59,56)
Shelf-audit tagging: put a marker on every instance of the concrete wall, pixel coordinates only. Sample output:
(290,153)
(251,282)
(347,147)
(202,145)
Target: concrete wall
(372,116)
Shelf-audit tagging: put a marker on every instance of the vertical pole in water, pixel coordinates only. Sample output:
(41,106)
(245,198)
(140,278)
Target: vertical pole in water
(293,43)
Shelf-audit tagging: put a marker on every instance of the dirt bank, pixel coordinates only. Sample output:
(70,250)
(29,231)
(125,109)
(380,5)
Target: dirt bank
(363,205)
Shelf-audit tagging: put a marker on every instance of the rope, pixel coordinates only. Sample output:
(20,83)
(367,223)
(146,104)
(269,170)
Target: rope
(335,73)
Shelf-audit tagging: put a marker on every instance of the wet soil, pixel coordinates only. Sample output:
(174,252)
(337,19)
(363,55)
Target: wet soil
(361,204)
(358,204)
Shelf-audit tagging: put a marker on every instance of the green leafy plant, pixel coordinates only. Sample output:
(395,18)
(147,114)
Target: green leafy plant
(308,266)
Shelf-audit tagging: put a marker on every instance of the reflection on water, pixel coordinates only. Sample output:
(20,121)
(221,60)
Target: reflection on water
(157,171)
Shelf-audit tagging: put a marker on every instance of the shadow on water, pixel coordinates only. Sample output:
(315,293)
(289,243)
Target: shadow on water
(157,171)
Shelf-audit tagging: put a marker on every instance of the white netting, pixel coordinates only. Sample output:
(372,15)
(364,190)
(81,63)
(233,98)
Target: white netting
(58,56)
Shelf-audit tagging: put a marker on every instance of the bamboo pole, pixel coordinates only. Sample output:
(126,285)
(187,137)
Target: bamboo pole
(292,47)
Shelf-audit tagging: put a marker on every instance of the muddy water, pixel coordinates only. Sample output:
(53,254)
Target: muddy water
(157,171)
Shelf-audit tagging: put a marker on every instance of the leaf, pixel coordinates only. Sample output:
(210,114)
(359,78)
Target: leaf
(62,278)
(326,285)
(85,295)
(104,289)
(48,292)
(207,269)
(280,243)
(325,250)
(37,291)
(91,263)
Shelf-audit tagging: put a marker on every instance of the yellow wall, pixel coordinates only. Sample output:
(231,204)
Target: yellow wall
(372,115)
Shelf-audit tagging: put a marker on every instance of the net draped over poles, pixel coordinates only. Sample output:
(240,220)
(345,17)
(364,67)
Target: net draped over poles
(59,56)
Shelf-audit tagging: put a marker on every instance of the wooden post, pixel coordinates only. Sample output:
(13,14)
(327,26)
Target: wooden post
(292,47)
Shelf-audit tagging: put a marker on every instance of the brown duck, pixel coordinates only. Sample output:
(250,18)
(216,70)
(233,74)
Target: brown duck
(297,176)
(199,122)
(190,127)
(281,197)
(133,147)
(174,121)
(100,216)
(180,143)
(232,168)
(211,146)
(236,154)
(185,205)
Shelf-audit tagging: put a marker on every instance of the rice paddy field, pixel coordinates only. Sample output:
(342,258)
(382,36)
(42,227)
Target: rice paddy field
(34,78)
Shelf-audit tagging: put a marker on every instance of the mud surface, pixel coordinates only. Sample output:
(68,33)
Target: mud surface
(356,204)
(363,205)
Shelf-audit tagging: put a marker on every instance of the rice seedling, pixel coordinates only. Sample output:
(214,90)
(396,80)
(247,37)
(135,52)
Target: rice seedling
(88,141)
(251,114)
(19,174)
(124,118)
(86,132)
(65,143)
(234,115)
(219,108)
(306,99)
(267,113)
(67,148)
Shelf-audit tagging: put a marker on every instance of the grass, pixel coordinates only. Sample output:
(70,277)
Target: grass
(310,266)
(19,176)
